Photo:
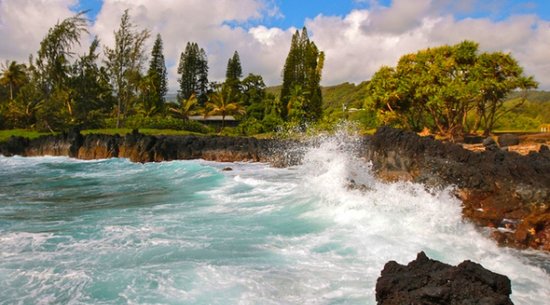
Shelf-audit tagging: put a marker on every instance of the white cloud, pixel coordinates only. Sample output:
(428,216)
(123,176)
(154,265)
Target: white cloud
(356,45)
(261,49)
(24,23)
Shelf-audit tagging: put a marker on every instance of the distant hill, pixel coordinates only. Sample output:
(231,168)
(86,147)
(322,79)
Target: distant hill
(532,96)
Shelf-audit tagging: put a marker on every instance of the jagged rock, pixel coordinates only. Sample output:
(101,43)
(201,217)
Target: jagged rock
(508,140)
(493,185)
(430,282)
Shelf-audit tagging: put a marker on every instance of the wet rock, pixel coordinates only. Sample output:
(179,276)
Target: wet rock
(508,140)
(426,281)
(227,169)
(473,139)
(493,185)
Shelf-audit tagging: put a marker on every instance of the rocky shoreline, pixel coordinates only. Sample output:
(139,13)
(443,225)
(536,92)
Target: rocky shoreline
(504,191)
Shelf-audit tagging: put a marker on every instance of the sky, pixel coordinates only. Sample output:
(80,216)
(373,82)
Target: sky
(357,36)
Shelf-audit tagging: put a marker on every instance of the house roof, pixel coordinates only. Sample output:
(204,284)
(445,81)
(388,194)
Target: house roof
(211,118)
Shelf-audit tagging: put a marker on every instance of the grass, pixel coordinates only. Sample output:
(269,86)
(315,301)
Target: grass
(151,132)
(31,134)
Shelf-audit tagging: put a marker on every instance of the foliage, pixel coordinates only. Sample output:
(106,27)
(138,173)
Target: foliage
(440,88)
(303,68)
(159,122)
(221,103)
(13,76)
(157,80)
(186,108)
(124,63)
(193,71)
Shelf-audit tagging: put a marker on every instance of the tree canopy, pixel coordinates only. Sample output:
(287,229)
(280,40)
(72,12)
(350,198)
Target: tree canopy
(303,68)
(448,89)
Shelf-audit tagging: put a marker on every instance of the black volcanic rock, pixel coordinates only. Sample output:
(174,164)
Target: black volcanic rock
(430,282)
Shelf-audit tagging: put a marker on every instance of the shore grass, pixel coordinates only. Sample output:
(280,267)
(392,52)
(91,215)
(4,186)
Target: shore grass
(151,132)
(31,134)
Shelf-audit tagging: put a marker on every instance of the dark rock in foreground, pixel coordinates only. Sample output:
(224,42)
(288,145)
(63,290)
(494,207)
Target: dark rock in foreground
(430,282)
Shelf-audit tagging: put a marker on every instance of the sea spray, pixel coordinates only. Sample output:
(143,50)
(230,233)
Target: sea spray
(186,232)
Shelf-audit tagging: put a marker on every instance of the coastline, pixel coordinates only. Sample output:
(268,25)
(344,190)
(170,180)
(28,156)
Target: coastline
(504,191)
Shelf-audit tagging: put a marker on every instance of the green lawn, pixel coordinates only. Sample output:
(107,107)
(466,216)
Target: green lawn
(31,134)
(153,132)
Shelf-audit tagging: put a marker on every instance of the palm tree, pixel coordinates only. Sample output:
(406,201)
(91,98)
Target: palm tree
(220,104)
(13,75)
(187,108)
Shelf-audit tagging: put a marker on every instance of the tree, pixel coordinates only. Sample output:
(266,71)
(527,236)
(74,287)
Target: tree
(124,63)
(158,77)
(441,88)
(253,96)
(92,95)
(303,67)
(187,108)
(234,72)
(13,75)
(53,71)
(193,70)
(220,103)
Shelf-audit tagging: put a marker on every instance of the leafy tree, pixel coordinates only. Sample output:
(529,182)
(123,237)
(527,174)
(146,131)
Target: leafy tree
(13,75)
(53,71)
(220,103)
(93,93)
(124,63)
(441,87)
(187,108)
(253,96)
(193,70)
(157,76)
(303,67)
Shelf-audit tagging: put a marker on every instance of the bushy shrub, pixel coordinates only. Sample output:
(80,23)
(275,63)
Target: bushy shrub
(159,122)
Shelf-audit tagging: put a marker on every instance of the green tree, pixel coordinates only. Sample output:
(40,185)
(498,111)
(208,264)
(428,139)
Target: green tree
(441,87)
(93,97)
(303,67)
(233,73)
(13,75)
(253,96)
(53,69)
(221,103)
(124,62)
(186,108)
(193,71)
(157,75)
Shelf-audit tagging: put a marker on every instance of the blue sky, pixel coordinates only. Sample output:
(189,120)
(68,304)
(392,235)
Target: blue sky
(357,36)
(295,12)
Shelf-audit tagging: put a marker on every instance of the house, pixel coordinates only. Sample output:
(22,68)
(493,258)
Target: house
(215,120)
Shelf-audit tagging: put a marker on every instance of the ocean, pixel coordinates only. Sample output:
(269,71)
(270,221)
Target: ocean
(189,232)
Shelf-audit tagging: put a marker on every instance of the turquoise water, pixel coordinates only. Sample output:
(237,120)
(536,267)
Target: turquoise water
(186,232)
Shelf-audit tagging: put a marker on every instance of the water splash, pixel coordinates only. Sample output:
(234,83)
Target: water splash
(186,232)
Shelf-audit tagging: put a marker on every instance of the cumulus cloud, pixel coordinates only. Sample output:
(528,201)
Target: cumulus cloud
(356,45)
(24,23)
(206,23)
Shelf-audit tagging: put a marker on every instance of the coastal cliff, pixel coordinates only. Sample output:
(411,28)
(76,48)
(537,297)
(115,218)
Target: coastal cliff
(501,190)
(504,191)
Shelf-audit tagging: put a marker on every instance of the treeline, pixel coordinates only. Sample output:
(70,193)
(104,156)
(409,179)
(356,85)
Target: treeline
(58,89)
